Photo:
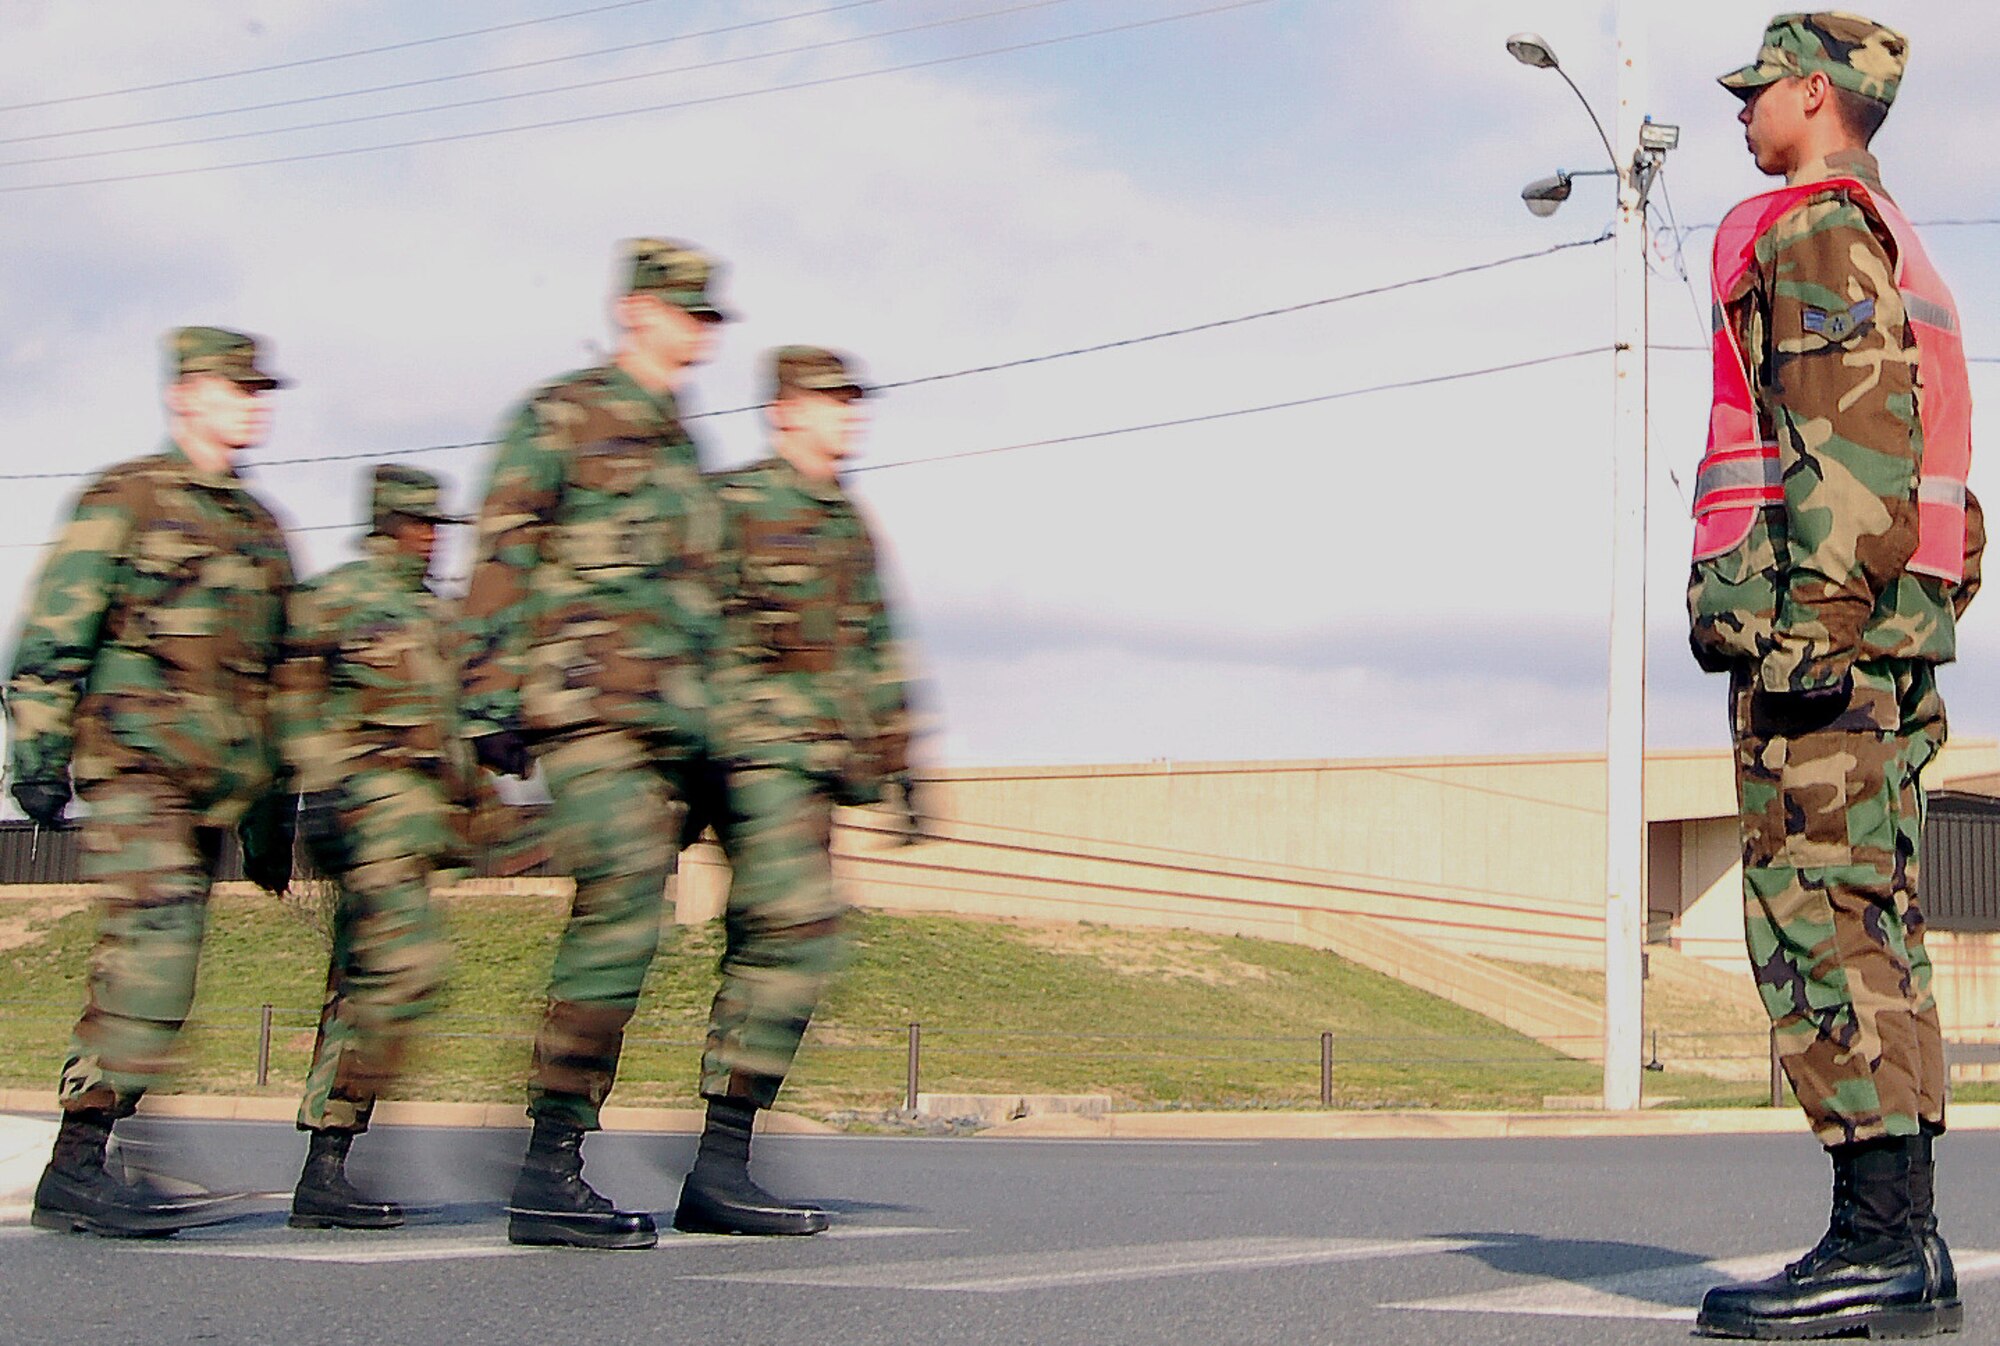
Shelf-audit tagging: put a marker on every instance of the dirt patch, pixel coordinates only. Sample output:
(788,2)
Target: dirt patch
(1160,955)
(19,931)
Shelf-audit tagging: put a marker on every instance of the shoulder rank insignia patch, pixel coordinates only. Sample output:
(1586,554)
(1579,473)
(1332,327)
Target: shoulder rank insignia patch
(1839,326)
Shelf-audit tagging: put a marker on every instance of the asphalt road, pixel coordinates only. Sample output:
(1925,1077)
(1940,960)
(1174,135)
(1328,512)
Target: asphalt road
(995,1242)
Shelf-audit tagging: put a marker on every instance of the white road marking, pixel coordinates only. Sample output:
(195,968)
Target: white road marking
(1662,1294)
(1012,1272)
(417,1246)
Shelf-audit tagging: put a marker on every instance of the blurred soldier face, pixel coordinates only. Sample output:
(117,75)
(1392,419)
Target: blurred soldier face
(816,432)
(214,417)
(415,537)
(1777,122)
(660,340)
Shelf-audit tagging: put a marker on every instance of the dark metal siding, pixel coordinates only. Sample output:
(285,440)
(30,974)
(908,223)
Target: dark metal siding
(52,857)
(1959,881)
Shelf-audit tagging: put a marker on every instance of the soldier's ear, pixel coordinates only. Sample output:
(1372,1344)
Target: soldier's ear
(778,412)
(1817,92)
(176,397)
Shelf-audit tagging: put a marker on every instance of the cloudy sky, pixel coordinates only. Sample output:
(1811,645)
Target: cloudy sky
(943,184)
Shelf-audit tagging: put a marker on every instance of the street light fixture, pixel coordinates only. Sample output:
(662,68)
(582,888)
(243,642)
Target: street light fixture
(1647,144)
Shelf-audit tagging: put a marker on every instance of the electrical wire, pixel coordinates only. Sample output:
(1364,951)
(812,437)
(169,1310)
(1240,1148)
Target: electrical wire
(259,133)
(322,60)
(428,80)
(1141,339)
(582,119)
(1426,381)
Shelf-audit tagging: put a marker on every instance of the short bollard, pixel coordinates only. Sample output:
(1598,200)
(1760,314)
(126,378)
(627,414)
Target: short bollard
(264,1046)
(915,1068)
(1326,1070)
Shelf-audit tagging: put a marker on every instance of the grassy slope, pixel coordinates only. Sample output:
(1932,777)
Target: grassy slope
(1159,1019)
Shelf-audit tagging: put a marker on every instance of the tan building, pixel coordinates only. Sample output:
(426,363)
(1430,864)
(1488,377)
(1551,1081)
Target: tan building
(1408,864)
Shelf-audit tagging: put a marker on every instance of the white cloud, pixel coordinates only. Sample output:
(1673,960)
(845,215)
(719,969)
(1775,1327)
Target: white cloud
(943,218)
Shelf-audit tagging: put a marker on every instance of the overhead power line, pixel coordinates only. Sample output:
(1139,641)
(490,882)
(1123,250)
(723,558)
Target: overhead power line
(323,60)
(1207,417)
(1119,431)
(582,119)
(257,133)
(1143,338)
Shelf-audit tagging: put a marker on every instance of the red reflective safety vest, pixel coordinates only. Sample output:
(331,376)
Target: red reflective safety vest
(1740,472)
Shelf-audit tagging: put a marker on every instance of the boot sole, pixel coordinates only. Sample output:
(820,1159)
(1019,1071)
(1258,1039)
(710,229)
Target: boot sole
(534,1232)
(68,1222)
(702,1224)
(299,1221)
(1925,1320)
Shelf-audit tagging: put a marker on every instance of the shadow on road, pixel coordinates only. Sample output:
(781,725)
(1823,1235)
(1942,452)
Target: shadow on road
(1576,1260)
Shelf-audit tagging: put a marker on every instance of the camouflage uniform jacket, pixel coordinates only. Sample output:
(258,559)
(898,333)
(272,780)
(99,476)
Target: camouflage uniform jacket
(594,595)
(809,675)
(1820,582)
(154,631)
(367,683)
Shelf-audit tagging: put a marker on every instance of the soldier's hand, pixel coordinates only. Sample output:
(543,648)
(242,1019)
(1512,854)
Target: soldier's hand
(1791,714)
(43,798)
(267,832)
(320,830)
(504,752)
(914,804)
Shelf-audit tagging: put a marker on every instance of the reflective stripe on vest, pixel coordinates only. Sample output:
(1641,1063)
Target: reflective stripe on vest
(1741,472)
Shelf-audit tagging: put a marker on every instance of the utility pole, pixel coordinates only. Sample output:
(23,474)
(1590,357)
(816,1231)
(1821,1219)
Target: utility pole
(1625,730)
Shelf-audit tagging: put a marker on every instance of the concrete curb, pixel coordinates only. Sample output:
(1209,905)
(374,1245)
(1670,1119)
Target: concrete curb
(41,1103)
(24,1150)
(1437,1125)
(37,1104)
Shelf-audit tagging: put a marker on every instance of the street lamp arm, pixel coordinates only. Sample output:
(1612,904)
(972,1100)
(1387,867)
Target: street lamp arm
(1609,152)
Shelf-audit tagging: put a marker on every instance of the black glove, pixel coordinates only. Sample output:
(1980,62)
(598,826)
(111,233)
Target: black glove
(43,798)
(267,832)
(320,830)
(917,818)
(504,752)
(707,785)
(1791,714)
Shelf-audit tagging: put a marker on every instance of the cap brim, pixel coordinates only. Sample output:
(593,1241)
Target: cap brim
(263,383)
(1750,78)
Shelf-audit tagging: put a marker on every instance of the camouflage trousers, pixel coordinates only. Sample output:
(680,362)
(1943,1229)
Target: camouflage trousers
(614,824)
(782,928)
(152,863)
(389,947)
(1831,821)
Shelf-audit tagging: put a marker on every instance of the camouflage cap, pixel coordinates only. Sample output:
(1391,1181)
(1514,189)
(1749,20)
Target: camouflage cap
(1856,54)
(679,273)
(408,491)
(813,369)
(217,350)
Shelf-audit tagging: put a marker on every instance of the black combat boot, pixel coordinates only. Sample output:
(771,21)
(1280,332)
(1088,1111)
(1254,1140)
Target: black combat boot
(1942,1276)
(552,1204)
(83,1192)
(1867,1276)
(325,1199)
(718,1196)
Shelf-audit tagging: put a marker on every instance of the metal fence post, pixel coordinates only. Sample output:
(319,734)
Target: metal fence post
(264,1046)
(910,1077)
(1777,1072)
(1326,1070)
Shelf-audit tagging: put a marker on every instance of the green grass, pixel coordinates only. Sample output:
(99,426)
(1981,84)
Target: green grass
(1158,1019)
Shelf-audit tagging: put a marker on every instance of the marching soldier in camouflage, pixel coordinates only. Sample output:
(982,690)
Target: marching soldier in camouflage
(1832,644)
(143,674)
(369,709)
(591,621)
(811,712)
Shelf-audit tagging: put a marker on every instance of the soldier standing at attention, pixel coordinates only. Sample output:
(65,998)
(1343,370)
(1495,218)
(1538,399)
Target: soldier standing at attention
(369,707)
(1835,545)
(143,674)
(590,624)
(811,712)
